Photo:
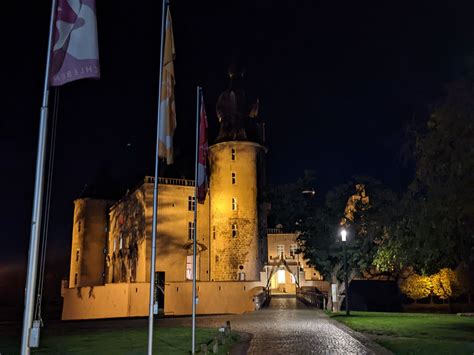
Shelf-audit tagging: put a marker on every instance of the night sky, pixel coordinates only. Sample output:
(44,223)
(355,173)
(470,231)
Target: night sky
(338,82)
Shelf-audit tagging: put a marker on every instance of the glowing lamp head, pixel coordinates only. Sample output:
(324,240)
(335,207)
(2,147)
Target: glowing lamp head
(343,235)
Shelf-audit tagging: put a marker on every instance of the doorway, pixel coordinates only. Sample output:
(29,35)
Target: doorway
(160,290)
(282,282)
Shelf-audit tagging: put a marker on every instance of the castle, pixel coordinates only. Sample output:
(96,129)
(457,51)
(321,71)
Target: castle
(111,240)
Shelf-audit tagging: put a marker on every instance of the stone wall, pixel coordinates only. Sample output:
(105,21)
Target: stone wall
(131,299)
(108,301)
(131,222)
(214,297)
(173,242)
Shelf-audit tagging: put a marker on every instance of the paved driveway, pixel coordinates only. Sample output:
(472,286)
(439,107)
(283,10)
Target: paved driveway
(287,326)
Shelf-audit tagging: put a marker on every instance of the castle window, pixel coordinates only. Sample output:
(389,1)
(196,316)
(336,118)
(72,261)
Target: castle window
(233,153)
(115,244)
(79,226)
(234,204)
(75,279)
(234,230)
(190,230)
(77,255)
(234,178)
(217,258)
(191,203)
(213,232)
(280,250)
(121,243)
(189,267)
(293,248)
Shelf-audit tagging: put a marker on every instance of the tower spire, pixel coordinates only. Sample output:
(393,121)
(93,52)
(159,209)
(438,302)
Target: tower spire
(236,117)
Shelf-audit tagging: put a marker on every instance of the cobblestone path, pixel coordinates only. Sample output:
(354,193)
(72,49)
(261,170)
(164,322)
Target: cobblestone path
(287,326)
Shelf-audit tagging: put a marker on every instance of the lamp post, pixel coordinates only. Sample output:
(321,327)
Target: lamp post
(346,284)
(298,267)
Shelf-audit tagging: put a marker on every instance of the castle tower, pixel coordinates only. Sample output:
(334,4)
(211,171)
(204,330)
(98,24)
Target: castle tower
(89,236)
(238,221)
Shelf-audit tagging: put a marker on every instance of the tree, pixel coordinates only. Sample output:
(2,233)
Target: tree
(416,286)
(365,221)
(445,284)
(443,191)
(289,206)
(435,222)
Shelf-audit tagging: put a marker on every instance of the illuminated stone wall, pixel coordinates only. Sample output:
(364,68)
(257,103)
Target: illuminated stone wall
(173,243)
(119,300)
(126,242)
(236,243)
(130,235)
(89,238)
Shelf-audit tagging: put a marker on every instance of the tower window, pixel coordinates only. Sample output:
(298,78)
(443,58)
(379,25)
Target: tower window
(233,154)
(213,232)
(77,255)
(234,204)
(234,230)
(79,226)
(234,178)
(121,243)
(190,230)
(115,244)
(75,279)
(191,203)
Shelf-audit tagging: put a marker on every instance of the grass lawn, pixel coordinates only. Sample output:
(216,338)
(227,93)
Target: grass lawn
(414,333)
(114,341)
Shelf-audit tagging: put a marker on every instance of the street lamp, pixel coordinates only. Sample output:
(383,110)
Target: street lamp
(346,284)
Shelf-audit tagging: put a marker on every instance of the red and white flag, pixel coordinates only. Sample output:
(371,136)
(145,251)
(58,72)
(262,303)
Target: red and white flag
(75,53)
(202,154)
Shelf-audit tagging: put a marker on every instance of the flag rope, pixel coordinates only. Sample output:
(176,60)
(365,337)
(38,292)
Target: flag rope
(47,203)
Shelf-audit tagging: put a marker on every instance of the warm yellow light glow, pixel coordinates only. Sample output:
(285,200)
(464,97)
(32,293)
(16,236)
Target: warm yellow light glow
(281,276)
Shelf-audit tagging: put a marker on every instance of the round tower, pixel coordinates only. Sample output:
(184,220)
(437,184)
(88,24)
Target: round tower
(236,162)
(89,236)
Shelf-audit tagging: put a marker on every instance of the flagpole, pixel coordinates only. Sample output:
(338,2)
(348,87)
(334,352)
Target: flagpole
(155,186)
(198,110)
(37,202)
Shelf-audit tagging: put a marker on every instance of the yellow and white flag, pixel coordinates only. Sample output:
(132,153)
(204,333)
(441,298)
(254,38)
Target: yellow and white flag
(167,106)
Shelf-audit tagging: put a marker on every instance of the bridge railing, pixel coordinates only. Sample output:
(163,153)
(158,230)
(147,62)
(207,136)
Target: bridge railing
(311,296)
(260,298)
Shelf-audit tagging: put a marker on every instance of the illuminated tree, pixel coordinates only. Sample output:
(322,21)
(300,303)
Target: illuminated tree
(446,284)
(365,222)
(416,286)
